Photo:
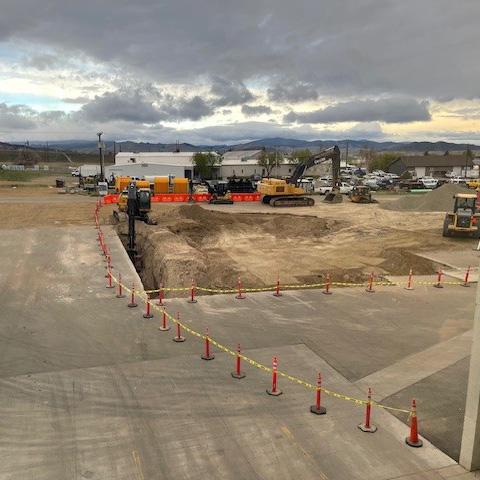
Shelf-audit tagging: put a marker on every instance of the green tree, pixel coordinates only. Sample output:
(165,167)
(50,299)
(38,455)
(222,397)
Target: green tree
(469,154)
(368,154)
(268,160)
(381,161)
(300,156)
(206,163)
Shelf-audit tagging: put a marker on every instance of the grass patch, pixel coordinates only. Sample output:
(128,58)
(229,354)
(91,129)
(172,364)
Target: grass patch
(21,176)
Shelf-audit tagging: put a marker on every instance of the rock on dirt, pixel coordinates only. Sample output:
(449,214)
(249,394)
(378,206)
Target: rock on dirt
(438,200)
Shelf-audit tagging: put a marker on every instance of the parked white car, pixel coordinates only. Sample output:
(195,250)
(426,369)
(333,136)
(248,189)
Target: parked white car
(429,182)
(457,180)
(345,188)
(371,182)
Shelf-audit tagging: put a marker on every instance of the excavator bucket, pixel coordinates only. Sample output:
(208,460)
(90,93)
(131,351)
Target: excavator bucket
(333,197)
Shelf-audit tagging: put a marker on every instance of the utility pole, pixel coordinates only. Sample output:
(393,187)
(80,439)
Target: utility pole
(100,151)
(346,155)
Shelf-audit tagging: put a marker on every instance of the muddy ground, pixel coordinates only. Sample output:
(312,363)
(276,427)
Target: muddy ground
(216,244)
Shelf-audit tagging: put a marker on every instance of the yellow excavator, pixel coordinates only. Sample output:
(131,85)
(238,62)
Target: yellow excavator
(283,193)
(142,193)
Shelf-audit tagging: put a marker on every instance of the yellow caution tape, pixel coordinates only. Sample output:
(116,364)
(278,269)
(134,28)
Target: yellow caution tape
(256,364)
(301,286)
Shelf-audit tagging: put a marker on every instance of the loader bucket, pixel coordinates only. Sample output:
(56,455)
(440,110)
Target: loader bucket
(333,197)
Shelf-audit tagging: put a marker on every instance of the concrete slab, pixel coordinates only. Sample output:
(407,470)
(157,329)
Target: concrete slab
(56,312)
(418,366)
(189,419)
(458,259)
(441,399)
(460,275)
(151,408)
(358,333)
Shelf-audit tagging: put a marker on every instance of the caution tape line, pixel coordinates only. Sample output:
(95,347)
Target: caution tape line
(256,364)
(298,287)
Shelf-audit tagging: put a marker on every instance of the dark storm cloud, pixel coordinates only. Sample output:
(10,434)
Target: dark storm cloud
(16,117)
(292,92)
(347,47)
(229,93)
(131,107)
(190,109)
(147,106)
(388,110)
(252,110)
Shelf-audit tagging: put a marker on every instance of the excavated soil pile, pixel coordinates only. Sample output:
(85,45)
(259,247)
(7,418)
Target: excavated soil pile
(438,200)
(191,242)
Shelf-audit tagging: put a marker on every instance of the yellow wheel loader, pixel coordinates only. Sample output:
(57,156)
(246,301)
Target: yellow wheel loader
(361,194)
(464,220)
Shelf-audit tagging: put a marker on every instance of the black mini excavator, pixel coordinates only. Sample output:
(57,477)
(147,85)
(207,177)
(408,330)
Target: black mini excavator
(138,208)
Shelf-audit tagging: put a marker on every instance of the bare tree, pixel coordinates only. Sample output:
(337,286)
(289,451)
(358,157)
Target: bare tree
(268,161)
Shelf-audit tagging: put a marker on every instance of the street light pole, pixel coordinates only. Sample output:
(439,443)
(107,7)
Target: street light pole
(100,152)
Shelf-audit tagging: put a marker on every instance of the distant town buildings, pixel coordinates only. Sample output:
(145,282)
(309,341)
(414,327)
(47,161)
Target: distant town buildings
(432,165)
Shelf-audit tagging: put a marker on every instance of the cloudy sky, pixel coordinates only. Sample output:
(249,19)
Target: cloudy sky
(223,71)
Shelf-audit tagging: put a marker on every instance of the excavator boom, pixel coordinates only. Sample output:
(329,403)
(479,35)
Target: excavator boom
(280,193)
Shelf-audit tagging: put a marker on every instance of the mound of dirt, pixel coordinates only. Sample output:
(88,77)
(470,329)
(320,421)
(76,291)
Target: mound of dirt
(399,261)
(438,200)
(189,242)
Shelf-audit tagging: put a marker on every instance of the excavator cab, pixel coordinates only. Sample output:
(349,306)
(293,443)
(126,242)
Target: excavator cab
(140,208)
(464,219)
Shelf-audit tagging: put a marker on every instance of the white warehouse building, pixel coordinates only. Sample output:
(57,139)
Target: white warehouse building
(239,163)
(244,163)
(158,164)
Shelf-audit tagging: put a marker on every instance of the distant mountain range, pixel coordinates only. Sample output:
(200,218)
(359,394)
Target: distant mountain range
(356,145)
(87,146)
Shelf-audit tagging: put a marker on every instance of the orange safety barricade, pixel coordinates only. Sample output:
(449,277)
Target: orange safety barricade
(201,197)
(246,197)
(110,198)
(171,197)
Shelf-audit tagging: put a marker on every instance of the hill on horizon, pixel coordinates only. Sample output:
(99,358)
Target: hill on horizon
(90,146)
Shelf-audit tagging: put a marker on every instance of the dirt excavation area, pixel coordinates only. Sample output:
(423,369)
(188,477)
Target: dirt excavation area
(214,244)
(43,205)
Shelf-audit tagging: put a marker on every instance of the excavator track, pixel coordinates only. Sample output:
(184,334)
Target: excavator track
(292,201)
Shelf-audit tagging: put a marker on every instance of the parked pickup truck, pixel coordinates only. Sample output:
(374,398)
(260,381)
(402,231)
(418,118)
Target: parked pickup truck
(429,182)
(345,188)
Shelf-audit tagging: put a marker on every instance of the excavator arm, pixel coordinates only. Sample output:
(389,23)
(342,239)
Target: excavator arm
(332,154)
(280,193)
